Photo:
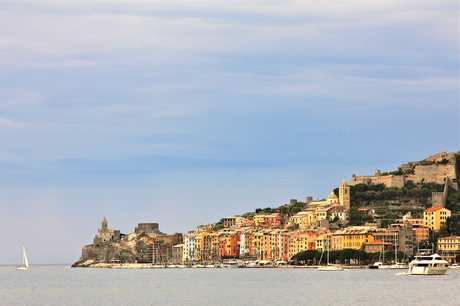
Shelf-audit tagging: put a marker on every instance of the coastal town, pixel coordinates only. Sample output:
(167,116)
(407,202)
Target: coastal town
(394,214)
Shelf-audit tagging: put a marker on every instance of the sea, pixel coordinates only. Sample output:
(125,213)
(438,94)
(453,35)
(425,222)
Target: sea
(62,285)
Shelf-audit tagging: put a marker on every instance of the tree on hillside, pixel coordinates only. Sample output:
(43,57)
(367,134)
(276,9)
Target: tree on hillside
(356,217)
(451,227)
(453,200)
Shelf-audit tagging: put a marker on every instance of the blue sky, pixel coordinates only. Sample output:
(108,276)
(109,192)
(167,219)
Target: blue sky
(184,112)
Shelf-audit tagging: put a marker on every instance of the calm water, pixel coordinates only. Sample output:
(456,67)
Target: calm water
(61,285)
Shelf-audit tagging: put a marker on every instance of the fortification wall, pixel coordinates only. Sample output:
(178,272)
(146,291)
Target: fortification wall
(437,199)
(387,180)
(434,173)
(427,173)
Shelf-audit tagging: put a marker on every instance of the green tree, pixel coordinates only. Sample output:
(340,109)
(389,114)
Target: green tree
(306,256)
(346,255)
(451,227)
(354,217)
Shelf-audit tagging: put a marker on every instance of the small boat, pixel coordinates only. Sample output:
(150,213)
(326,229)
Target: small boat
(398,265)
(25,262)
(232,264)
(328,266)
(455,266)
(172,266)
(252,264)
(376,265)
(428,265)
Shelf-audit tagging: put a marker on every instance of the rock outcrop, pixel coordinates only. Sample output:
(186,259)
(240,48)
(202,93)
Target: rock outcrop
(145,245)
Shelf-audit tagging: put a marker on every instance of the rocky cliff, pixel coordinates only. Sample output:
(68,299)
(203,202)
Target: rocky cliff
(145,245)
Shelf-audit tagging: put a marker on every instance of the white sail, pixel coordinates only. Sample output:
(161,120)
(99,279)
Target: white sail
(25,262)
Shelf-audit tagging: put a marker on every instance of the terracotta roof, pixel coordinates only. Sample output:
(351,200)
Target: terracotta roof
(378,242)
(434,208)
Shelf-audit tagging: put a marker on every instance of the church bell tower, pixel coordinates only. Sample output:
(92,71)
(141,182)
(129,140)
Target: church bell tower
(344,194)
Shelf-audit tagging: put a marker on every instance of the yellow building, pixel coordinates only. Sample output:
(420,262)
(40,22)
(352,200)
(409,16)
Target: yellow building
(321,243)
(207,250)
(304,218)
(234,222)
(435,217)
(199,241)
(336,242)
(354,237)
(449,247)
(298,242)
(261,244)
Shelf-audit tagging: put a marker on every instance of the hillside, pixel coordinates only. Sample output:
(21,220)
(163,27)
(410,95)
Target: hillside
(412,188)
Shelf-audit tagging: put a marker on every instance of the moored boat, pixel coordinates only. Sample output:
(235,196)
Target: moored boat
(376,265)
(428,265)
(330,268)
(455,266)
(232,264)
(399,265)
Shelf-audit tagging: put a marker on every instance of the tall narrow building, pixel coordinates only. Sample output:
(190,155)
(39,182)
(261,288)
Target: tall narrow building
(104,223)
(344,194)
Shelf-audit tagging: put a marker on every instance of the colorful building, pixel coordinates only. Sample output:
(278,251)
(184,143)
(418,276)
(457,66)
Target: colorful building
(435,217)
(354,237)
(449,247)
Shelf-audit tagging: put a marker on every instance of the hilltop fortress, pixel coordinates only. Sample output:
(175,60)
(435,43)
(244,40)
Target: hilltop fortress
(439,168)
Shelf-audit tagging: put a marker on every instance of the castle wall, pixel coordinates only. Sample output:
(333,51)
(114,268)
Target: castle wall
(434,173)
(147,228)
(437,199)
(387,180)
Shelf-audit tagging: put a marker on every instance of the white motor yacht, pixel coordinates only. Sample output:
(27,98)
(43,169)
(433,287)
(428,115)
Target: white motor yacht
(428,265)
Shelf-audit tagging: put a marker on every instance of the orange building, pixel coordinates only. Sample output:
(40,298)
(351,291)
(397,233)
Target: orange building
(229,245)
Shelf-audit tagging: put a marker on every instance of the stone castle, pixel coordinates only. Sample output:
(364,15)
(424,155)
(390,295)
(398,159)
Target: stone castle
(433,169)
(439,169)
(147,244)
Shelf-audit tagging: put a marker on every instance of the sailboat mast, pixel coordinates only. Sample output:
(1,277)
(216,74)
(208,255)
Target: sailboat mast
(396,250)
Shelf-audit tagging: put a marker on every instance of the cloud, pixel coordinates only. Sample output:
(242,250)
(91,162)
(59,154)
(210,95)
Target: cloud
(62,34)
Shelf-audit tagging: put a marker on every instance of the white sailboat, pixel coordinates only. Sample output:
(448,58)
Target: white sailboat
(328,266)
(397,265)
(25,262)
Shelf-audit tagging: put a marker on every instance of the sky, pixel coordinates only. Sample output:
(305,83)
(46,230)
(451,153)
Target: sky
(185,112)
